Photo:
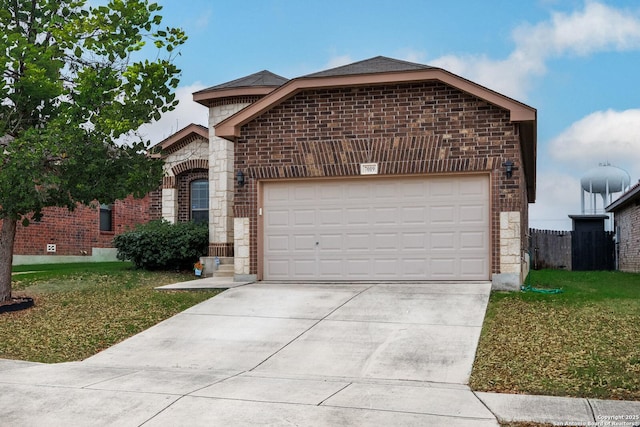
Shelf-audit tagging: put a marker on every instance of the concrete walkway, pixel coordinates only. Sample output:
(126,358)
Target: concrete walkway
(291,354)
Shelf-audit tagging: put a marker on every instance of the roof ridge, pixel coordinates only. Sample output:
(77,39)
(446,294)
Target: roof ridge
(260,78)
(377,64)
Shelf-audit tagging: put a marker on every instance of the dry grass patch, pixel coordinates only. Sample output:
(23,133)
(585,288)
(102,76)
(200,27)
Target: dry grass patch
(581,343)
(77,314)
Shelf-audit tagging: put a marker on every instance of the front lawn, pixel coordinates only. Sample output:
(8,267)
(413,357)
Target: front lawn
(584,342)
(81,309)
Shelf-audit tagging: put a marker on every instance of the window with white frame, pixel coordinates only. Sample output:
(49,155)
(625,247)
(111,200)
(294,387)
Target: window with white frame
(200,200)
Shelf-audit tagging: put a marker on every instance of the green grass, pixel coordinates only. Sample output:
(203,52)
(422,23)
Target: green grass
(77,266)
(81,309)
(583,342)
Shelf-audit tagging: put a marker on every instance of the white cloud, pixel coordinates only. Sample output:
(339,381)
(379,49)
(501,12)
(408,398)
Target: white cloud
(602,137)
(338,61)
(612,136)
(558,196)
(509,76)
(412,55)
(596,28)
(188,111)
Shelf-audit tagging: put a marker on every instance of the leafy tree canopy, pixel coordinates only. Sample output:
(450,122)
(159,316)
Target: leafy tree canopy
(71,87)
(73,82)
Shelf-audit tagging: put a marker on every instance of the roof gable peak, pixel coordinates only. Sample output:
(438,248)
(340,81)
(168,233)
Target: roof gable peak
(189,132)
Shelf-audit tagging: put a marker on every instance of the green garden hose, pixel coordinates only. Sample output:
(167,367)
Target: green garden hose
(526,287)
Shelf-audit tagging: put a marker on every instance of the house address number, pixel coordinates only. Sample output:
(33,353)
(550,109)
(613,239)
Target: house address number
(368,169)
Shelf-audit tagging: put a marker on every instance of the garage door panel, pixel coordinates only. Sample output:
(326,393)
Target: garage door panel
(412,241)
(442,215)
(385,192)
(472,240)
(278,243)
(331,268)
(439,241)
(386,241)
(331,242)
(278,269)
(356,191)
(384,216)
(304,268)
(279,194)
(357,242)
(472,266)
(356,216)
(304,242)
(377,229)
(329,193)
(359,268)
(386,267)
(329,216)
(472,187)
(414,267)
(413,190)
(304,217)
(304,193)
(472,214)
(277,218)
(443,189)
(414,215)
(443,268)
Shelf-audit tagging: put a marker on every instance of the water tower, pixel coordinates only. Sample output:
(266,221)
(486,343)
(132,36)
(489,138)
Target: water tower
(604,180)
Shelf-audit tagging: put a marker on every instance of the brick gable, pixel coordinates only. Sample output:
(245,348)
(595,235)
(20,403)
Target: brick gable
(410,128)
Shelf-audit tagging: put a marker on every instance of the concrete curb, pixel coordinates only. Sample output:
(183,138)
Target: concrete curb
(564,411)
(204,283)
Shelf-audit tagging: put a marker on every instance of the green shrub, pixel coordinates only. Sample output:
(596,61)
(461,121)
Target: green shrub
(160,245)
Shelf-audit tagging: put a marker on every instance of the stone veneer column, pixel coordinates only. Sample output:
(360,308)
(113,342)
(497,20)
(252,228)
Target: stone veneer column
(511,266)
(170,204)
(241,260)
(221,183)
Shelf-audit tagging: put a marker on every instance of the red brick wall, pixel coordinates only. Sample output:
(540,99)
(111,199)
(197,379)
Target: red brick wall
(155,204)
(77,232)
(420,128)
(628,219)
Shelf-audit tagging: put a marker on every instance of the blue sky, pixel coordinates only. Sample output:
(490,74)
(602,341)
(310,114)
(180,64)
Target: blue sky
(576,62)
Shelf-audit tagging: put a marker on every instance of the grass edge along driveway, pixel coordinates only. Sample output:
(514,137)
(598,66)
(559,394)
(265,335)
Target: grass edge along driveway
(583,342)
(81,309)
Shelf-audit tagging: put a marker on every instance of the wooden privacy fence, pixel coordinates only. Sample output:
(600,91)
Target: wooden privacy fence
(550,249)
(572,250)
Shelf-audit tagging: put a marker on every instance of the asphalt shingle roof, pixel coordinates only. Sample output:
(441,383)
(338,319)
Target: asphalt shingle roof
(261,78)
(378,64)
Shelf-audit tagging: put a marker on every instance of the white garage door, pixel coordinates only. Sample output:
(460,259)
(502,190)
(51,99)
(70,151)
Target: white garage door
(377,229)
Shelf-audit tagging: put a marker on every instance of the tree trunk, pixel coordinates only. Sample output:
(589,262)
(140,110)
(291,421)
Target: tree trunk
(7,237)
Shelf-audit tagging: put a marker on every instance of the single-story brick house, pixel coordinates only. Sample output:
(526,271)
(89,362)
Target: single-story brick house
(86,234)
(377,170)
(626,215)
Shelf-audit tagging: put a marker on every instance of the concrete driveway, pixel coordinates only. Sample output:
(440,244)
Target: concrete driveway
(276,354)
